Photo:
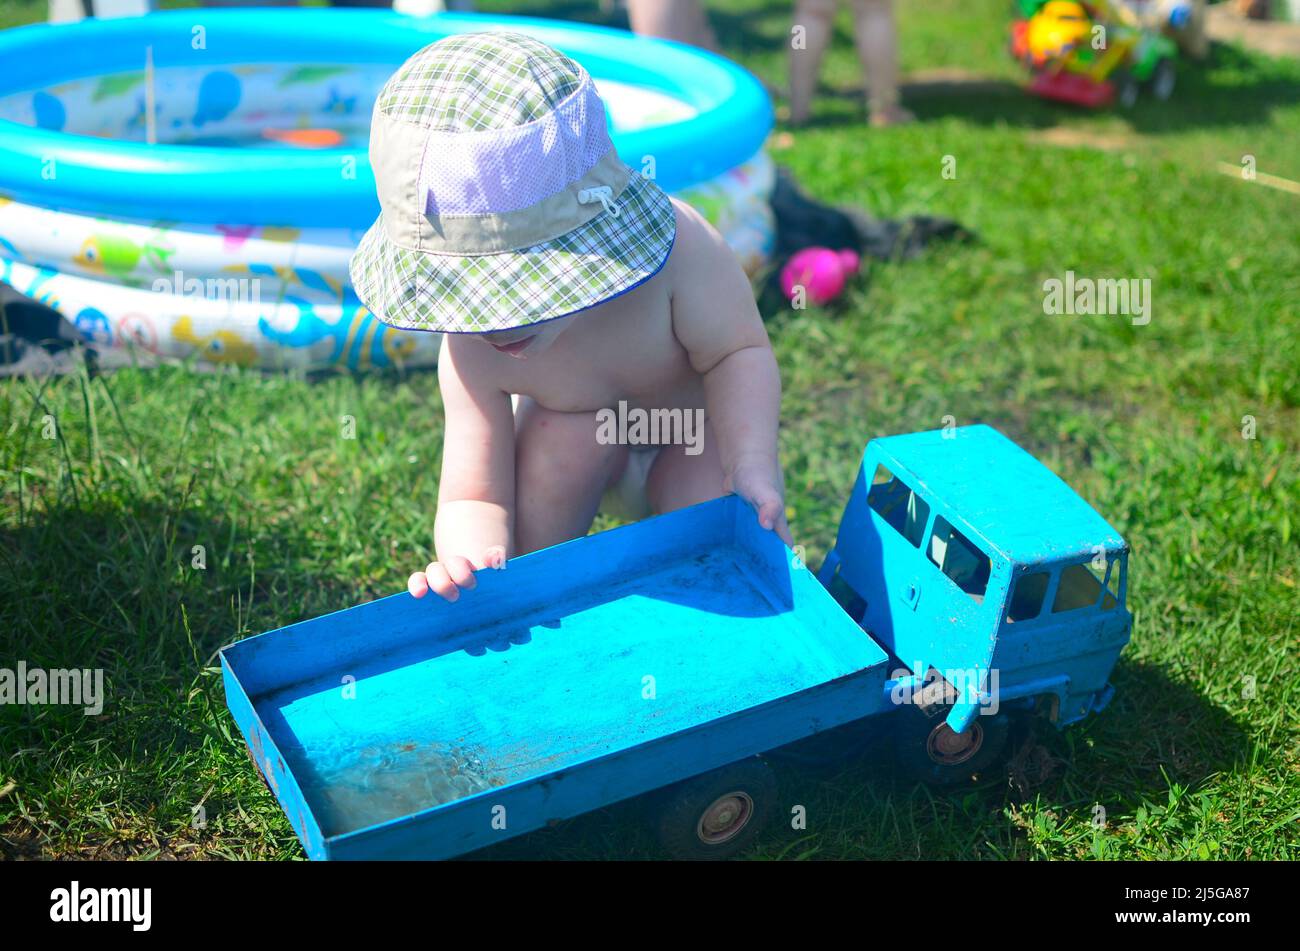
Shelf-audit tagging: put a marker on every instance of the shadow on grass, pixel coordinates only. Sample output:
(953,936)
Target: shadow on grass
(118,587)
(112,586)
(127,578)
(1157,732)
(1233,88)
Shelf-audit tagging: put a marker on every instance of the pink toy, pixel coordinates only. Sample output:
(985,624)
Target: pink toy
(820,271)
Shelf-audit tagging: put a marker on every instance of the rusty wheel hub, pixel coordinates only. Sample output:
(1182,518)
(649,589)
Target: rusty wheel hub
(951,749)
(725,817)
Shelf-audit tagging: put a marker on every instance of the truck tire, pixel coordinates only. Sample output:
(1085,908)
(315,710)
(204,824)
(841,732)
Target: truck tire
(927,748)
(1163,80)
(718,814)
(1127,90)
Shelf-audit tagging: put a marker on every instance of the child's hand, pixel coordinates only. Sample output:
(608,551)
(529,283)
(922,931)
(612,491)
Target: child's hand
(447,578)
(762,486)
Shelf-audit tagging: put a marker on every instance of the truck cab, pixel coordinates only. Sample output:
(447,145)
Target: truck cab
(980,571)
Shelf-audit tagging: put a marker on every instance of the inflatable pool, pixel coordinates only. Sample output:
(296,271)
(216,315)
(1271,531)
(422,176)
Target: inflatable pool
(227,237)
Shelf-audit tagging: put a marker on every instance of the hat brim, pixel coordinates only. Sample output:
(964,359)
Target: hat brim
(594,262)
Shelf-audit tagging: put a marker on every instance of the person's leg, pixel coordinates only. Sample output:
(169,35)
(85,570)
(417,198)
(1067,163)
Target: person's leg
(561,472)
(680,20)
(1191,37)
(876,37)
(816,18)
(677,480)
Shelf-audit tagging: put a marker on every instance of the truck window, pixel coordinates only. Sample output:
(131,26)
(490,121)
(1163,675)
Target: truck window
(958,558)
(898,505)
(1115,580)
(1080,587)
(1027,600)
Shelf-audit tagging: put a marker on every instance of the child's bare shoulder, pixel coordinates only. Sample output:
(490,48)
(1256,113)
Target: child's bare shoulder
(701,257)
(698,248)
(465,364)
(713,309)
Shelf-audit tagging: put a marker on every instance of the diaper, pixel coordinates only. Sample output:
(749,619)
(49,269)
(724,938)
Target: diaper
(626,498)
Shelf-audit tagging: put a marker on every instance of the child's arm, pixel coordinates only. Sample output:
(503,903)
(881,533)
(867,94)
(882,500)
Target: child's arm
(716,320)
(476,494)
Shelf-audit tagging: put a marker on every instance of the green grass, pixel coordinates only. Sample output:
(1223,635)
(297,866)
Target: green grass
(97,526)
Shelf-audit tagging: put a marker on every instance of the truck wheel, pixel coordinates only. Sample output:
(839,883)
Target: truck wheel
(718,814)
(927,748)
(1126,88)
(1163,80)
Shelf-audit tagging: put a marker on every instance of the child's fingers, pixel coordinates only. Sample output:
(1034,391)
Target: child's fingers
(417,584)
(766,505)
(460,571)
(441,582)
(446,578)
(770,513)
(783,527)
(770,509)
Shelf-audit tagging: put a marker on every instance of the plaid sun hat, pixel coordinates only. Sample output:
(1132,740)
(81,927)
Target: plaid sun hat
(503,202)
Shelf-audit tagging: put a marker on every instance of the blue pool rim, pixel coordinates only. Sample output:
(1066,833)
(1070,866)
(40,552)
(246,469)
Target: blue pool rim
(288,186)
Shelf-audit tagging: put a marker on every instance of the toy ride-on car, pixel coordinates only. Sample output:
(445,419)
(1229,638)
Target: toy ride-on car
(1092,53)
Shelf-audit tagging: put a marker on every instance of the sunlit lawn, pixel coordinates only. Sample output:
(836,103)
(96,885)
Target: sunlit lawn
(1198,754)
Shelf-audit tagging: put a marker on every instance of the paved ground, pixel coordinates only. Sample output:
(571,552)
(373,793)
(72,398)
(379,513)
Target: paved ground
(1268,36)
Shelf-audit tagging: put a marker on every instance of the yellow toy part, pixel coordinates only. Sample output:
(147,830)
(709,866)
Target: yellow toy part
(1057,28)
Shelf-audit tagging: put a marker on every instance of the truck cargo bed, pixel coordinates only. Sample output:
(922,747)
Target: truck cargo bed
(578,676)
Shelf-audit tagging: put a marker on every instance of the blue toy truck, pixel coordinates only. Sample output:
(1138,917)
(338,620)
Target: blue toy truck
(967,585)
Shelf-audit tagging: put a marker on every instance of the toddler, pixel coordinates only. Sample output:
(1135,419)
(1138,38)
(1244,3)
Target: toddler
(566,281)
